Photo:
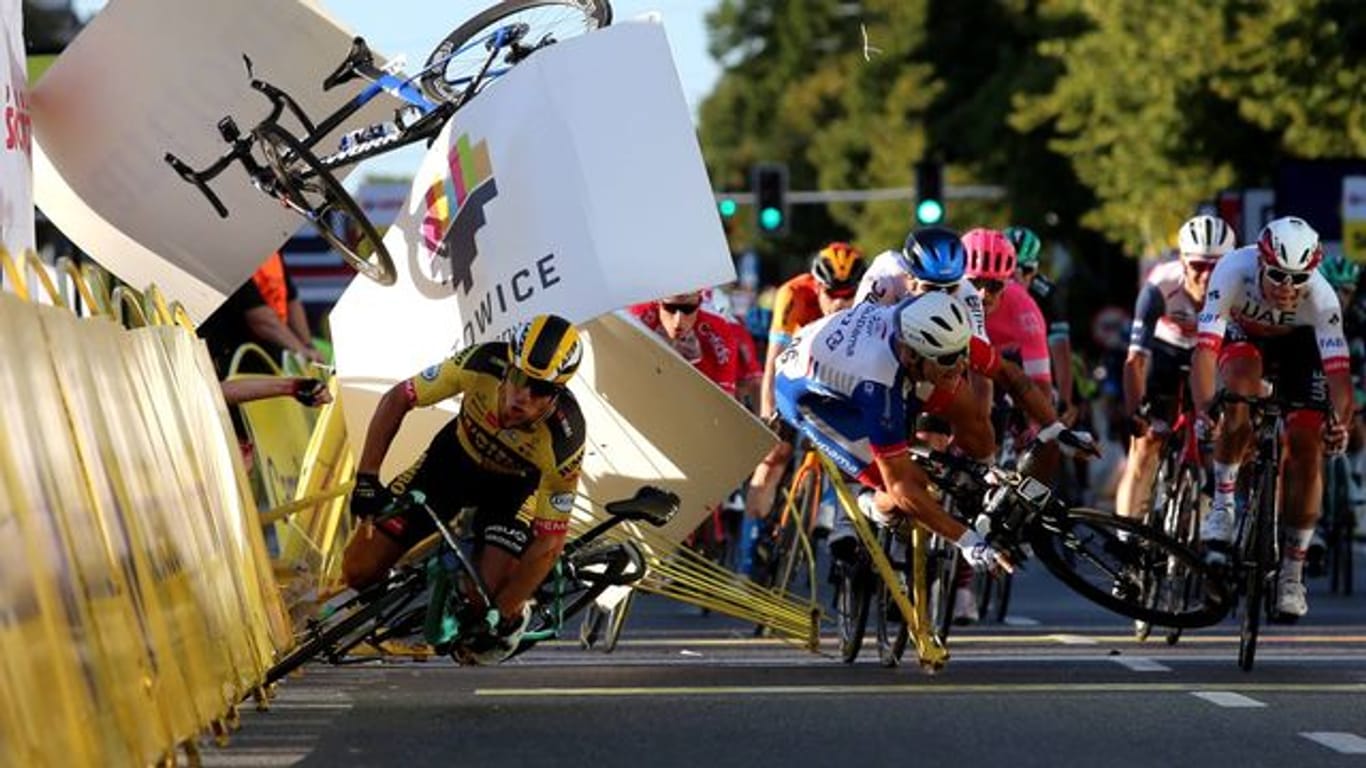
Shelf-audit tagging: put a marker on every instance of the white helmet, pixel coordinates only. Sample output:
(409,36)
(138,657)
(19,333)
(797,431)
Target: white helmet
(933,324)
(1290,244)
(1207,236)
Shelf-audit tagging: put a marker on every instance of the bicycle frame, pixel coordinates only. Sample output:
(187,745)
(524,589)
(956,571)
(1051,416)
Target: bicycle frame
(931,653)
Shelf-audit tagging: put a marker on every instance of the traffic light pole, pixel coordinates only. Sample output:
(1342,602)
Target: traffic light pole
(820,196)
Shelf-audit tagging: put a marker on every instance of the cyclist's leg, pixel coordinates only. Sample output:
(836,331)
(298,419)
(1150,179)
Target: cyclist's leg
(374,549)
(1301,380)
(1134,496)
(1240,372)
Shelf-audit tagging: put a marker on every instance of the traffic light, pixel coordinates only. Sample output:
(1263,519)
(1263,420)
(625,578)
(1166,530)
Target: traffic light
(929,193)
(727,207)
(770,198)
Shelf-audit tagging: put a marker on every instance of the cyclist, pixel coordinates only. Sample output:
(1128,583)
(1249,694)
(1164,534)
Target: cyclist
(513,453)
(700,336)
(1043,292)
(1269,311)
(828,287)
(854,382)
(1160,344)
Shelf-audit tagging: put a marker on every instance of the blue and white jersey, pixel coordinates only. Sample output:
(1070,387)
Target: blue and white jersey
(884,282)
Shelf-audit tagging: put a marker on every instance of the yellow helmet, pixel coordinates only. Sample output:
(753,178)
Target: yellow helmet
(838,267)
(547,348)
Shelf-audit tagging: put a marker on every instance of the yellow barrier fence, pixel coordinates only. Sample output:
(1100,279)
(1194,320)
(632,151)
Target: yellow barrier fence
(137,605)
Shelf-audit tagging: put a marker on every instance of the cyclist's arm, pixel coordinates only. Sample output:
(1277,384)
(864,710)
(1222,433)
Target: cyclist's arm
(436,383)
(1028,395)
(1060,358)
(1148,311)
(766,400)
(907,487)
(1333,351)
(1135,380)
(267,326)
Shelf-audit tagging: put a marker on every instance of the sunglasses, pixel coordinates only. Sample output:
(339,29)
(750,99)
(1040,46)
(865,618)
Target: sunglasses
(927,287)
(988,286)
(949,359)
(1282,277)
(842,293)
(1200,267)
(1027,271)
(678,309)
(518,378)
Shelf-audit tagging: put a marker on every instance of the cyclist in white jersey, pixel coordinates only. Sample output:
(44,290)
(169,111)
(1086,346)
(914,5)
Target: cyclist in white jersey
(1269,311)
(1164,333)
(853,383)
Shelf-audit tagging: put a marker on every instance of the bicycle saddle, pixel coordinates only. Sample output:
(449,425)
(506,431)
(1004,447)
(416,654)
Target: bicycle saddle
(651,505)
(358,60)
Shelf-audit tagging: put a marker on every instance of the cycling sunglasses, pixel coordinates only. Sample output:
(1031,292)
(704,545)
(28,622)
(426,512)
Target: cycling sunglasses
(929,287)
(1200,267)
(948,359)
(845,292)
(675,308)
(518,378)
(1282,277)
(988,286)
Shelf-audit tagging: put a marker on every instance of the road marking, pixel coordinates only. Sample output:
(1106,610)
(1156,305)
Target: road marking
(1070,639)
(1344,743)
(1228,699)
(922,688)
(1140,664)
(252,758)
(970,638)
(1021,621)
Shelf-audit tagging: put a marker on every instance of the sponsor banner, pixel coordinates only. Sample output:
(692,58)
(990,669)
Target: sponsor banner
(1354,217)
(157,77)
(572,185)
(16,166)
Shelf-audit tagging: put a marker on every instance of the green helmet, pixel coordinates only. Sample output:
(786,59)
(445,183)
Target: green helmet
(1340,271)
(1026,246)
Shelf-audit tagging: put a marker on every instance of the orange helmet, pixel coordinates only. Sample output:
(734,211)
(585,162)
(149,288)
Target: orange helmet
(838,267)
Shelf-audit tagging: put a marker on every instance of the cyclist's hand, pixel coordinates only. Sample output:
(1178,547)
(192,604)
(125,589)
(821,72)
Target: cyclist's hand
(310,392)
(1335,437)
(981,555)
(1071,443)
(1138,423)
(369,497)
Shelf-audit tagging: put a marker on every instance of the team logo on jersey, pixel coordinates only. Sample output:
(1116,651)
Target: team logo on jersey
(431,372)
(562,502)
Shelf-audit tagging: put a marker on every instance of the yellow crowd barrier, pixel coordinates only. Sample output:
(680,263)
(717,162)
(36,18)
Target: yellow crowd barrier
(137,604)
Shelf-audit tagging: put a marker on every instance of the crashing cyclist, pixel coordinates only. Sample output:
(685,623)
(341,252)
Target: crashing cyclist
(1164,333)
(513,454)
(854,382)
(1270,313)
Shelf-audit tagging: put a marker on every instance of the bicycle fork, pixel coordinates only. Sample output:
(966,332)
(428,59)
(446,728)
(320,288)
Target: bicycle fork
(931,653)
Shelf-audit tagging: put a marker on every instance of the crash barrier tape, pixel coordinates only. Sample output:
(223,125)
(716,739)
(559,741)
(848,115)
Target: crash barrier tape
(136,601)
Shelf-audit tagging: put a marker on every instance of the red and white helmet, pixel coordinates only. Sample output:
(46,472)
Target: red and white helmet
(1290,244)
(990,254)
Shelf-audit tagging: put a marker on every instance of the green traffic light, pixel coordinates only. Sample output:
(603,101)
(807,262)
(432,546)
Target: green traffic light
(770,218)
(929,211)
(728,208)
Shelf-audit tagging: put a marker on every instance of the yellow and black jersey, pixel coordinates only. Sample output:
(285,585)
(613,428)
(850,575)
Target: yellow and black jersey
(546,456)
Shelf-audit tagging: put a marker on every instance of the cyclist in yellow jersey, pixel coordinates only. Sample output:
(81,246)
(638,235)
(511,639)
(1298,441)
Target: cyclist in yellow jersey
(512,453)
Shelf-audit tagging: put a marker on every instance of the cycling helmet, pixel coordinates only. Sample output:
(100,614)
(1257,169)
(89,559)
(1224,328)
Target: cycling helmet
(990,254)
(838,266)
(1290,244)
(1206,237)
(933,254)
(547,348)
(1026,245)
(933,324)
(1340,271)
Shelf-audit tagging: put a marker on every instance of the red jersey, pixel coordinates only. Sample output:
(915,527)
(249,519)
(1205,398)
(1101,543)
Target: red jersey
(711,346)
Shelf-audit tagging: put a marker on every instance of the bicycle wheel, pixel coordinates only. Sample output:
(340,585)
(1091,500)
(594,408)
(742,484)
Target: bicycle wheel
(313,192)
(1258,560)
(1103,558)
(943,566)
(853,593)
(350,621)
(1337,517)
(459,58)
(893,629)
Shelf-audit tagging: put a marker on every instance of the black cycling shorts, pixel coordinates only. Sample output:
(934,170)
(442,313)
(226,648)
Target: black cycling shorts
(1290,362)
(453,482)
(1167,379)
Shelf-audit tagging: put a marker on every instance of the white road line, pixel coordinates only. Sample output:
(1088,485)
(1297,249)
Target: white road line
(1344,743)
(253,758)
(1228,699)
(1140,664)
(1074,639)
(1021,621)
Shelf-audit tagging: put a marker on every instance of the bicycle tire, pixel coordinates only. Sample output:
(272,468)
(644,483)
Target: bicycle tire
(943,587)
(1004,582)
(1178,518)
(1258,562)
(1337,513)
(893,630)
(283,153)
(1068,541)
(328,636)
(852,598)
(434,83)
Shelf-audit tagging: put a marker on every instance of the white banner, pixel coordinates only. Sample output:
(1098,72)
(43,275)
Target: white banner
(16,167)
(574,184)
(148,77)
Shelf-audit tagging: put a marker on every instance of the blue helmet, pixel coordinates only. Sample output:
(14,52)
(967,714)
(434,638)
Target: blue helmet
(935,255)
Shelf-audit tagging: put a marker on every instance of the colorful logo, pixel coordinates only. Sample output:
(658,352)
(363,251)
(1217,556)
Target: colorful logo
(455,212)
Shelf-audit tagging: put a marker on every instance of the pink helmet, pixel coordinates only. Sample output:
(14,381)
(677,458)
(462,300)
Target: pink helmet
(990,254)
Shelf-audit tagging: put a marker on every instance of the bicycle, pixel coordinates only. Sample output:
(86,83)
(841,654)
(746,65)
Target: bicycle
(437,592)
(1178,493)
(1338,523)
(291,172)
(1256,554)
(1102,557)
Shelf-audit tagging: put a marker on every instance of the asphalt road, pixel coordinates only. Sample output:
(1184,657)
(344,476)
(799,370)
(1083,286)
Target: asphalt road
(1060,684)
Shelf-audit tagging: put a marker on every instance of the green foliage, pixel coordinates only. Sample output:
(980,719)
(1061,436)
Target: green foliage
(1100,117)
